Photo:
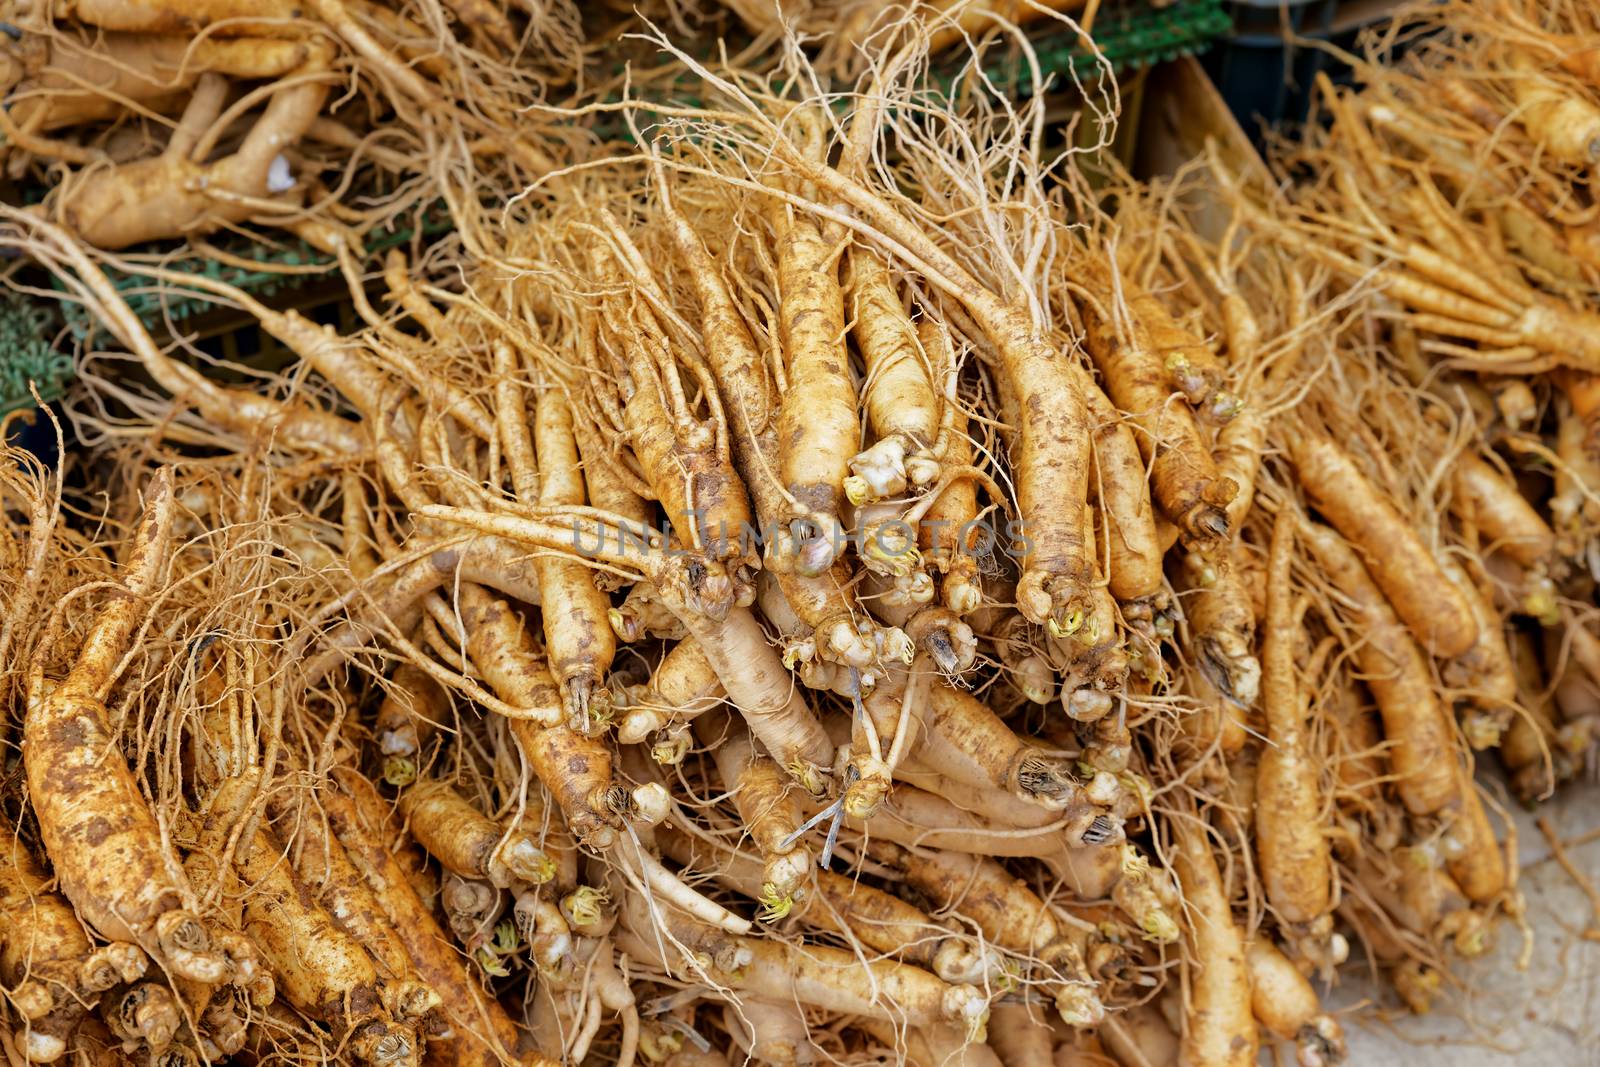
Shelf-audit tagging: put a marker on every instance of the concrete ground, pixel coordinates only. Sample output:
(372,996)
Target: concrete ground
(1546,1015)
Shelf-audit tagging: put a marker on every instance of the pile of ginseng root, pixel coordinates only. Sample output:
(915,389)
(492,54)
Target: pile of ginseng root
(324,120)
(832,580)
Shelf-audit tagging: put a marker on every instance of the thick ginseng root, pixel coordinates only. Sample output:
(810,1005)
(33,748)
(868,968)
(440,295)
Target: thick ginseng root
(1582,393)
(563,1026)
(609,489)
(1416,892)
(1530,750)
(577,771)
(742,373)
(1431,606)
(1089,640)
(1482,675)
(1190,364)
(1573,510)
(762,793)
(1105,739)
(52,973)
(944,639)
(479,1024)
(107,850)
(1219,1029)
(832,979)
(686,680)
(1506,522)
(578,639)
(615,995)
(764,693)
(236,16)
(683,687)
(1241,442)
(950,535)
(1011,916)
(885,923)
(1222,631)
(488,23)
(1287,1007)
(383,818)
(818,427)
(1359,770)
(1122,872)
(918,817)
(174,195)
(931,1046)
(213,878)
(540,818)
(323,865)
(414,708)
(145,1016)
(885,538)
(1472,855)
(1573,653)
(1050,442)
(1131,553)
(648,876)
(1449,298)
(844,905)
(548,936)
(770,1032)
(902,406)
(956,783)
(885,725)
(967,742)
(319,969)
(1021,1035)
(820,618)
(468,842)
(495,562)
(1415,722)
(1183,477)
(223,1028)
(503,651)
(67,84)
(575,768)
(1562,122)
(732,639)
(1140,1037)
(1416,984)
(992,805)
(1027,668)
(894,599)
(1296,864)
(685,458)
(642,615)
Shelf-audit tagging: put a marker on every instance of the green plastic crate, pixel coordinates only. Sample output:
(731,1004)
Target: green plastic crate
(1132,36)
(26,355)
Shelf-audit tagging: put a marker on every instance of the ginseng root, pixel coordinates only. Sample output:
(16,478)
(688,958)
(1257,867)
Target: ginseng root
(53,974)
(1296,864)
(1219,1029)
(902,407)
(102,839)
(467,841)
(818,428)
